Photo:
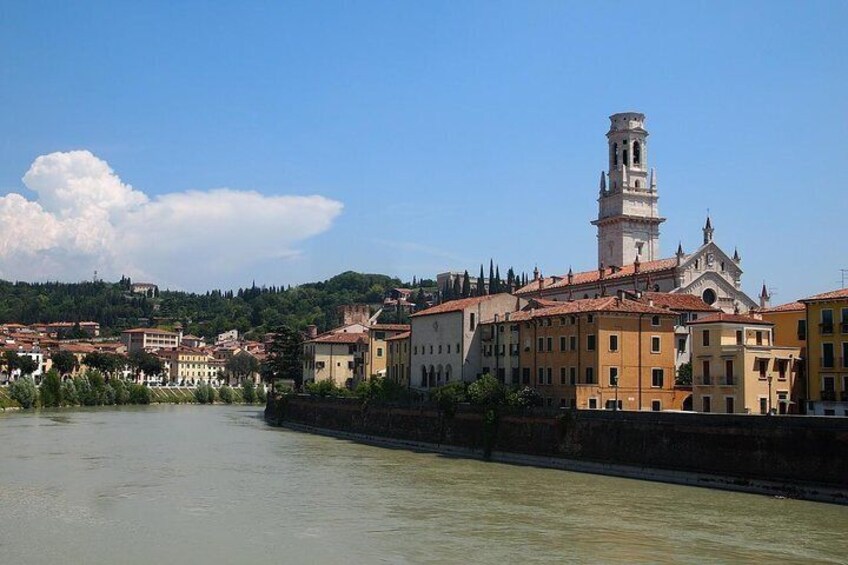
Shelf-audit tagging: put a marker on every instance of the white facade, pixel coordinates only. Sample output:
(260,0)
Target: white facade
(446,339)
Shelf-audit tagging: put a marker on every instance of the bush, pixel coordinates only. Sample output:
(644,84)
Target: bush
(139,394)
(24,392)
(486,391)
(99,393)
(448,397)
(204,394)
(226,394)
(51,389)
(69,393)
(527,397)
(85,395)
(381,389)
(248,391)
(261,395)
(321,388)
(120,394)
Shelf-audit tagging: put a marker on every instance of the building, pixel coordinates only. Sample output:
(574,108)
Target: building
(737,368)
(335,356)
(193,341)
(629,257)
(141,339)
(827,353)
(227,337)
(446,339)
(399,349)
(189,365)
(377,352)
(147,289)
(600,353)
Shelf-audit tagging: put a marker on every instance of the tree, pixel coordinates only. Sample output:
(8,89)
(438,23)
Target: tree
(51,389)
(285,356)
(466,285)
(684,374)
(497,281)
(65,362)
(492,285)
(242,365)
(11,360)
(456,292)
(486,391)
(481,283)
(146,363)
(248,392)
(27,365)
(23,392)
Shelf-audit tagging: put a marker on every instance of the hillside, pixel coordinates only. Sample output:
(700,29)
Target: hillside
(254,309)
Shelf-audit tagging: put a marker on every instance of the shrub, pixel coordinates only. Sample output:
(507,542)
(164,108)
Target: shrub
(98,387)
(139,394)
(248,391)
(226,394)
(527,397)
(85,394)
(69,393)
(51,389)
(261,395)
(448,397)
(325,388)
(486,391)
(204,394)
(24,392)
(120,394)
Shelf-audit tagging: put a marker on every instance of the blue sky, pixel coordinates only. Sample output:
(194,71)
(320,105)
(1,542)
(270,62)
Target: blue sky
(438,134)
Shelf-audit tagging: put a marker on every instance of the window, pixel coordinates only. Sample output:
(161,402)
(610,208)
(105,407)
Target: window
(781,369)
(540,345)
(705,338)
(593,404)
(440,349)
(637,153)
(762,365)
(380,335)
(540,379)
(706,404)
(613,342)
(615,154)
(590,318)
(728,371)
(572,375)
(590,375)
(763,405)
(550,376)
(448,348)
(431,350)
(655,344)
(457,348)
(562,375)
(827,355)
(681,345)
(706,370)
(550,344)
(845,357)
(656,405)
(379,352)
(562,343)
(525,375)
(613,376)
(709,295)
(612,405)
(655,321)
(471,322)
(415,350)
(728,405)
(826,321)
(759,337)
(515,375)
(828,384)
(572,342)
(657,378)
(739,337)
(590,342)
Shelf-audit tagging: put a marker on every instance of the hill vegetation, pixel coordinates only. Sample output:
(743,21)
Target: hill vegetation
(252,310)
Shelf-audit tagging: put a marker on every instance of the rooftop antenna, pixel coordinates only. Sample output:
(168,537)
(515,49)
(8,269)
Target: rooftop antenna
(844,273)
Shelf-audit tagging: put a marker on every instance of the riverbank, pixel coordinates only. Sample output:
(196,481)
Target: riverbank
(158,395)
(798,457)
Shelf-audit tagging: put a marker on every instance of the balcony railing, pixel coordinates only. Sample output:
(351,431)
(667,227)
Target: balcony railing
(826,328)
(730,380)
(828,395)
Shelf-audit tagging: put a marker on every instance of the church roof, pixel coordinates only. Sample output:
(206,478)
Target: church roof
(610,304)
(789,307)
(679,302)
(586,277)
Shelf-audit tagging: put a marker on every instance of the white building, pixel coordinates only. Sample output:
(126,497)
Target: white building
(446,339)
(628,222)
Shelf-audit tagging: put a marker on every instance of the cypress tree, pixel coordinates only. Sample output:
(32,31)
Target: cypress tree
(492,284)
(457,288)
(466,285)
(497,282)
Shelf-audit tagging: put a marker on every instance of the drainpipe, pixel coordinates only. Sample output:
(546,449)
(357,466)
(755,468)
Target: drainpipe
(639,374)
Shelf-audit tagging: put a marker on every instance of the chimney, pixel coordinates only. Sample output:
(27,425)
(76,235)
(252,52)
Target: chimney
(311,331)
(637,265)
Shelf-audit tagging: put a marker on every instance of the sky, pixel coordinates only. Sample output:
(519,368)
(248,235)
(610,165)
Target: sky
(208,145)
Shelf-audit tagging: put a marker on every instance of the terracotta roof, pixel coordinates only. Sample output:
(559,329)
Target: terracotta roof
(343,337)
(678,302)
(400,336)
(456,305)
(832,295)
(594,276)
(790,307)
(609,304)
(730,318)
(391,327)
(148,330)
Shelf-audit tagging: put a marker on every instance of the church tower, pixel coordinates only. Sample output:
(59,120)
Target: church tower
(628,220)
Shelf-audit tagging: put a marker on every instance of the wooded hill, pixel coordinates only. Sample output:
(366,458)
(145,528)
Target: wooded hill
(252,310)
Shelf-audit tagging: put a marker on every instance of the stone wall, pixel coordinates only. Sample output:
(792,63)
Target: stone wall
(788,449)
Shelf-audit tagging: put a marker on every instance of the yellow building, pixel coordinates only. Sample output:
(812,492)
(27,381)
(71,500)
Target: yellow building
(398,348)
(601,353)
(377,353)
(338,357)
(188,365)
(790,324)
(827,359)
(737,368)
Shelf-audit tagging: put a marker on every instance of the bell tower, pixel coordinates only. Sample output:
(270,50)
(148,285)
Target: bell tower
(628,218)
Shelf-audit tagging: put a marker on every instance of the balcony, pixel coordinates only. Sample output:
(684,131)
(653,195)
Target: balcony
(730,380)
(826,329)
(828,395)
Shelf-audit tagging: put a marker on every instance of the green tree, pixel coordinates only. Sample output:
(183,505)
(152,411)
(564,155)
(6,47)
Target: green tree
(684,374)
(248,391)
(285,356)
(486,391)
(65,362)
(69,393)
(51,389)
(145,363)
(242,365)
(139,394)
(24,392)
(27,365)
(120,392)
(481,283)
(466,285)
(226,394)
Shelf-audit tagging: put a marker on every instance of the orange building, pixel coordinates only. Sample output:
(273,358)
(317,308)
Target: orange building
(610,353)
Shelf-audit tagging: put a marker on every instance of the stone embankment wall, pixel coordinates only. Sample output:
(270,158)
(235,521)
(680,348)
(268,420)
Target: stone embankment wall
(787,449)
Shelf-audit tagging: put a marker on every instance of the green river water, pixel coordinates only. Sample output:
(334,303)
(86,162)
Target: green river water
(201,484)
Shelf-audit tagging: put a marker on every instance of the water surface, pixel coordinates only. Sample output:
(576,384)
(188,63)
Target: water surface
(201,484)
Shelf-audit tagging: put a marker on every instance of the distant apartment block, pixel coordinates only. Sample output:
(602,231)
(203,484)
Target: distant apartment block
(140,339)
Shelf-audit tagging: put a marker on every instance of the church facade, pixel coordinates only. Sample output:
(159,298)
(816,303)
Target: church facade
(628,225)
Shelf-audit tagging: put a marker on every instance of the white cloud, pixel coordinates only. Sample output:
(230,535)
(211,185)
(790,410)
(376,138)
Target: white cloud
(86,218)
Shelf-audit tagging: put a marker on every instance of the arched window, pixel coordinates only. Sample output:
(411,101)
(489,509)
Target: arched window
(637,153)
(624,158)
(423,376)
(447,373)
(636,183)
(615,154)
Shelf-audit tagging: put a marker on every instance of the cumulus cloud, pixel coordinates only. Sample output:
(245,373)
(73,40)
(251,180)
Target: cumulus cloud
(84,217)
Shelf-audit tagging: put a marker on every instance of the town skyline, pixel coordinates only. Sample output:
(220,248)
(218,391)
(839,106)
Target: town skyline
(383,170)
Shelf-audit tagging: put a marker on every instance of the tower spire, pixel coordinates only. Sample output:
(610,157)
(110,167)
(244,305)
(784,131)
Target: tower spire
(603,182)
(764,296)
(708,230)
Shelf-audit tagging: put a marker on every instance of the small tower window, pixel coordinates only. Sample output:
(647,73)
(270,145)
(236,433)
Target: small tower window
(637,153)
(636,183)
(624,158)
(615,154)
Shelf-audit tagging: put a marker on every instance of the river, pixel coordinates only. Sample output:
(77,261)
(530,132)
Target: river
(201,484)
